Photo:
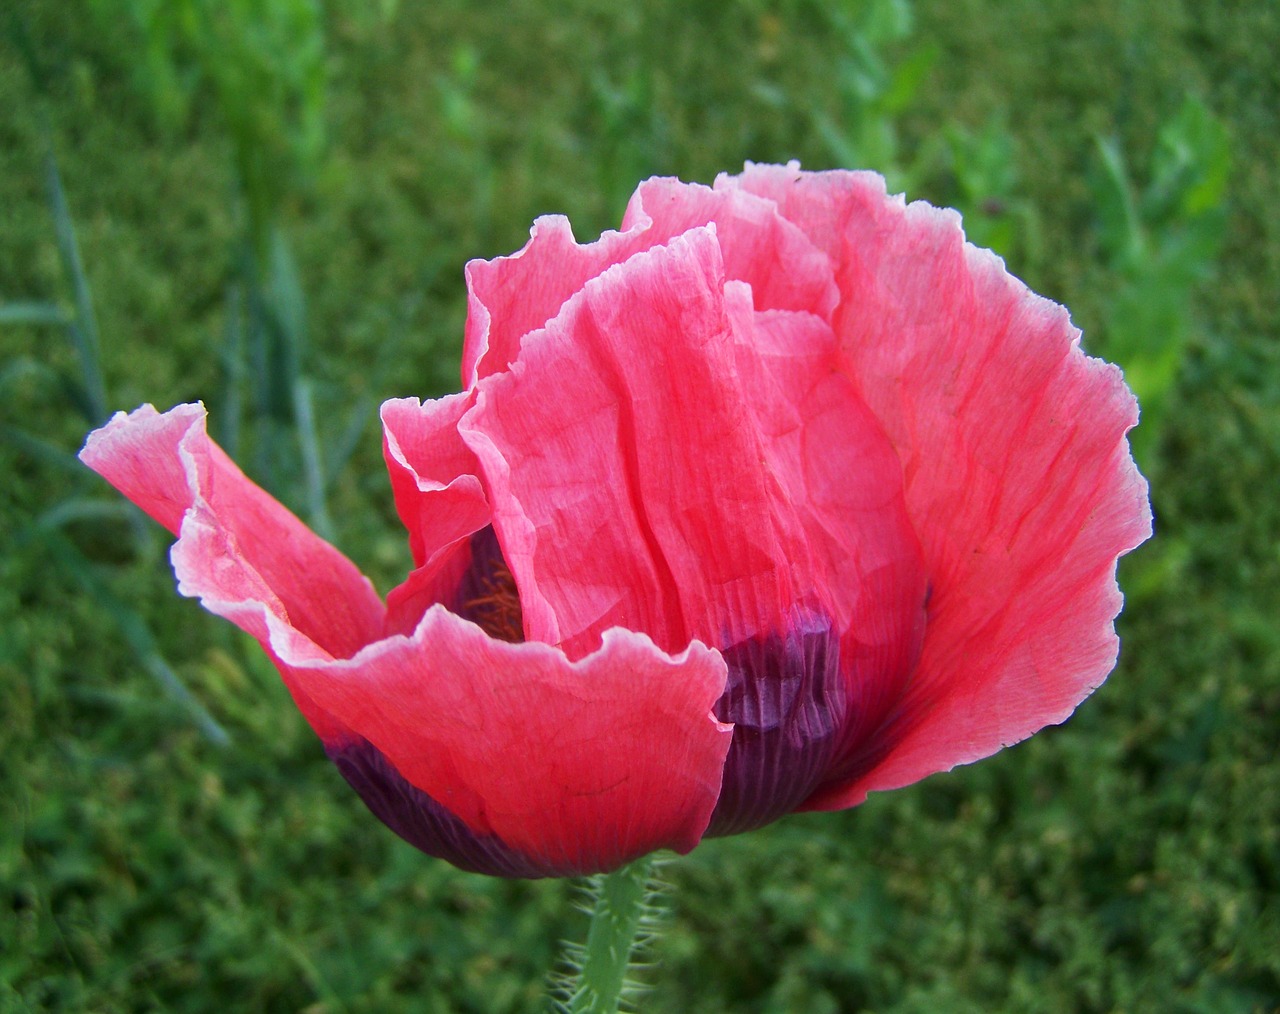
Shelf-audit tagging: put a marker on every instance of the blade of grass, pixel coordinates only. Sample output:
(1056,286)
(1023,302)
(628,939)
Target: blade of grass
(84,328)
(233,368)
(42,450)
(345,445)
(33,315)
(312,468)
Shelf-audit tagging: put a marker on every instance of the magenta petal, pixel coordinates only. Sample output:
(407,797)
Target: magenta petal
(615,475)
(577,766)
(760,247)
(168,466)
(1019,480)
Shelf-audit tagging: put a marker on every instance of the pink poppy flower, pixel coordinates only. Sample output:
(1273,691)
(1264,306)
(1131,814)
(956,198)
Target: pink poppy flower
(781,495)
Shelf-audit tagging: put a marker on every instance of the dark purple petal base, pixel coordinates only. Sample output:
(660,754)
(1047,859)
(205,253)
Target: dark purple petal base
(787,701)
(424,823)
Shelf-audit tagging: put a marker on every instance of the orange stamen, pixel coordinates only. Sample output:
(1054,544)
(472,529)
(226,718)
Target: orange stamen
(497,609)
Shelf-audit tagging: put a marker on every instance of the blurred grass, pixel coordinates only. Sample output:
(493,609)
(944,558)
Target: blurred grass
(1127,861)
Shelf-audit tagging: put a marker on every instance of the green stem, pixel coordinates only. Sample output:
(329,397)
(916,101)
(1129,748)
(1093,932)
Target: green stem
(621,909)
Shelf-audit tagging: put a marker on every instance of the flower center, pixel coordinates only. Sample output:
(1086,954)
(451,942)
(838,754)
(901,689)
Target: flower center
(487,595)
(497,607)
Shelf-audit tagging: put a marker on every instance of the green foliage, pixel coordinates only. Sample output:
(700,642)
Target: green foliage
(1124,862)
(873,88)
(985,185)
(263,63)
(1158,242)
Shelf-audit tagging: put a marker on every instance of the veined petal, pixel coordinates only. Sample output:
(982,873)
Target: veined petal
(624,468)
(238,544)
(834,467)
(167,465)
(553,766)
(575,766)
(760,247)
(510,296)
(433,472)
(1018,477)
(438,496)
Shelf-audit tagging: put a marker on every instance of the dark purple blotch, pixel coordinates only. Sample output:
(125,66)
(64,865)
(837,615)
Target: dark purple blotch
(786,699)
(424,823)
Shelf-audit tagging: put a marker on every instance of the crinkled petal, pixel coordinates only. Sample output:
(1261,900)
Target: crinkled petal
(252,547)
(167,465)
(574,766)
(557,766)
(834,466)
(433,472)
(624,469)
(1018,477)
(438,496)
(510,296)
(760,247)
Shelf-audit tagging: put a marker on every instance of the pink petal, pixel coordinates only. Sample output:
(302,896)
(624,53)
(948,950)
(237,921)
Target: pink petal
(438,497)
(576,766)
(510,296)
(580,765)
(169,467)
(760,247)
(836,469)
(624,470)
(433,473)
(1019,480)
(252,547)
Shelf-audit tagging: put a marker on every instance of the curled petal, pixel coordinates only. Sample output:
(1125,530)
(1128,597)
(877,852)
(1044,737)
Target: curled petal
(511,296)
(167,465)
(433,472)
(577,766)
(615,476)
(1018,477)
(438,496)
(568,766)
(760,247)
(508,297)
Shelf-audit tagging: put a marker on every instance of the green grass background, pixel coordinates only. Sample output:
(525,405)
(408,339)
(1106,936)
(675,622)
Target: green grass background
(1127,861)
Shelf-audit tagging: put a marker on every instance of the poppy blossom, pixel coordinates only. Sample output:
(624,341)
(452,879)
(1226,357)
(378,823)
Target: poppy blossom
(779,495)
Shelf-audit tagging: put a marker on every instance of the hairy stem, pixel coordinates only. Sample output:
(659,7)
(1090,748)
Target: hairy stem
(621,909)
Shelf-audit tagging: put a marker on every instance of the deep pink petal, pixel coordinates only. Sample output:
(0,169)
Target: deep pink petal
(624,468)
(433,473)
(510,296)
(835,468)
(168,465)
(438,496)
(581,765)
(575,766)
(760,247)
(244,545)
(1019,480)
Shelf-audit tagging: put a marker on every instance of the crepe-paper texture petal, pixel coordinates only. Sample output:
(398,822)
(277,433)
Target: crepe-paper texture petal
(779,495)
